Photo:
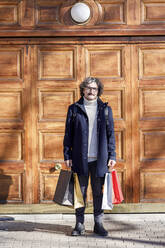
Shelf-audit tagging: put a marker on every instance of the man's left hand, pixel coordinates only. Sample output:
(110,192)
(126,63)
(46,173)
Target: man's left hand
(111,164)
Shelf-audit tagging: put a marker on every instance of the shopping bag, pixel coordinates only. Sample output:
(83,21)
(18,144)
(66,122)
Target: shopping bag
(107,193)
(78,197)
(117,195)
(64,194)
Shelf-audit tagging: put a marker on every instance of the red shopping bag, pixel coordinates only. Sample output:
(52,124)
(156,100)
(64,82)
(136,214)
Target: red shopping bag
(117,195)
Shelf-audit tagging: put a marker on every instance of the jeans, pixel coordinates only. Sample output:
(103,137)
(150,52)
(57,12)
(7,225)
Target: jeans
(97,192)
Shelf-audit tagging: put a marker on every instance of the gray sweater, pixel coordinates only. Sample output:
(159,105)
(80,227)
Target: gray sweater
(91,109)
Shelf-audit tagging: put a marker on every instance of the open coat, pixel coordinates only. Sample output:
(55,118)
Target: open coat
(76,138)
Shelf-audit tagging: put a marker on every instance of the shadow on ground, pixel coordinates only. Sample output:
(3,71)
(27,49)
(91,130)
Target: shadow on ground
(9,224)
(15,226)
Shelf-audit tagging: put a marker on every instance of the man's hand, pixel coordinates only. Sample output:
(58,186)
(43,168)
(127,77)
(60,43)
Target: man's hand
(68,163)
(111,164)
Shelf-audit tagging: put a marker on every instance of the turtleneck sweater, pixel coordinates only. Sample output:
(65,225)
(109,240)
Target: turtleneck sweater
(91,110)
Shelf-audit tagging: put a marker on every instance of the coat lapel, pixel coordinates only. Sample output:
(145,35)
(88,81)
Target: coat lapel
(80,104)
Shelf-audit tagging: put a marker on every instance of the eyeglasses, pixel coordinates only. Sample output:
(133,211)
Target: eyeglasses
(91,88)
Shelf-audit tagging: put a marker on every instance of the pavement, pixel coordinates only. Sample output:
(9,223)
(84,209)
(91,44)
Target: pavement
(53,231)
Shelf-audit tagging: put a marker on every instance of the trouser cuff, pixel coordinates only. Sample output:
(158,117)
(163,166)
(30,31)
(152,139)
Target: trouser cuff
(98,218)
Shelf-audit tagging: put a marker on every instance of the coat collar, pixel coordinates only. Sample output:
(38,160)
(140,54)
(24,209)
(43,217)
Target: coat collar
(101,105)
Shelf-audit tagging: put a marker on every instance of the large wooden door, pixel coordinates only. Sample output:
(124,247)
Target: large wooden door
(59,69)
(16,172)
(39,81)
(148,122)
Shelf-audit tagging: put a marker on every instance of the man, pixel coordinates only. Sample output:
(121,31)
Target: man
(89,148)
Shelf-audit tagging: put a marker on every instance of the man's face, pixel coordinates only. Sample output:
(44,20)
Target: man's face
(91,91)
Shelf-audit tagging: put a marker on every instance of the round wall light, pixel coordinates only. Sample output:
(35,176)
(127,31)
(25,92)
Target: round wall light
(80,12)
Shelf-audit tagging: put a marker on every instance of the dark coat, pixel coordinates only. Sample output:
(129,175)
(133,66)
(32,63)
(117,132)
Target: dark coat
(76,138)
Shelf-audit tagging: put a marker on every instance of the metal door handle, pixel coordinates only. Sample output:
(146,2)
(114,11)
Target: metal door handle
(58,166)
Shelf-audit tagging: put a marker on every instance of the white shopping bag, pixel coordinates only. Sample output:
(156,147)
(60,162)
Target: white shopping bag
(107,193)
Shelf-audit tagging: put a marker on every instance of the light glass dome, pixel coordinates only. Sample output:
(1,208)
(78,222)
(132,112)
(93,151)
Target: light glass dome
(80,12)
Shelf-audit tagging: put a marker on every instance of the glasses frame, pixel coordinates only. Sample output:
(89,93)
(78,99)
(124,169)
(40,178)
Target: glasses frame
(87,88)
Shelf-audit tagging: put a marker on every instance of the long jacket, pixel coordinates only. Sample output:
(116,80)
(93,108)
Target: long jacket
(76,138)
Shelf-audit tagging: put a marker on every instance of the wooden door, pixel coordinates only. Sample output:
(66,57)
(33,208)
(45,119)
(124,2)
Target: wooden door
(148,122)
(56,79)
(16,174)
(110,63)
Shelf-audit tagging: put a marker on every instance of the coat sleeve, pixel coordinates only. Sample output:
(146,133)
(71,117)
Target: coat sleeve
(67,142)
(111,136)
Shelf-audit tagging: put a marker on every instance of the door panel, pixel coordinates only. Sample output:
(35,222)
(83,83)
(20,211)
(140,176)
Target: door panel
(57,63)
(11,64)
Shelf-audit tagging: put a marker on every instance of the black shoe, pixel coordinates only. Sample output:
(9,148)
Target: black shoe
(99,229)
(78,230)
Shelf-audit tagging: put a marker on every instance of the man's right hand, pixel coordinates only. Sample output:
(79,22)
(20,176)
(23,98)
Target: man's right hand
(68,163)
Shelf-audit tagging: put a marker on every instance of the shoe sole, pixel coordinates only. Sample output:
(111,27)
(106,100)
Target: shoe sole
(102,235)
(78,234)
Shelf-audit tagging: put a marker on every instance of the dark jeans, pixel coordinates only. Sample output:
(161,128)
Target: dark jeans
(97,192)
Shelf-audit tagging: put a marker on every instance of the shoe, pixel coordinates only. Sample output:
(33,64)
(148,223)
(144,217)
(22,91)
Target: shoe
(78,230)
(100,230)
